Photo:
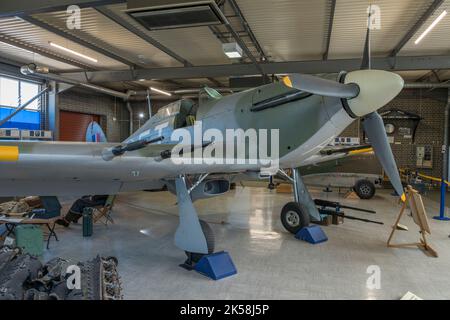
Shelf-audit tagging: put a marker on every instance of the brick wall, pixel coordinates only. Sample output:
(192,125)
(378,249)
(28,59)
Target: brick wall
(430,105)
(112,110)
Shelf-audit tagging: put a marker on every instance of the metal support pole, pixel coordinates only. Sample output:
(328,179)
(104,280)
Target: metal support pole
(149,103)
(20,108)
(130,110)
(445,163)
(53,110)
(301,195)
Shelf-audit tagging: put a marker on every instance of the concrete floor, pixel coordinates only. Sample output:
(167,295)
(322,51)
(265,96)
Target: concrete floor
(271,263)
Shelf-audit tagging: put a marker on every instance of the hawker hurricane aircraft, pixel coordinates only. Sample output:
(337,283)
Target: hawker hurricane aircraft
(302,113)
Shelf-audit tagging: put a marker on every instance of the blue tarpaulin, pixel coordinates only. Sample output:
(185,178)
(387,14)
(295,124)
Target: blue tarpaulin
(25,119)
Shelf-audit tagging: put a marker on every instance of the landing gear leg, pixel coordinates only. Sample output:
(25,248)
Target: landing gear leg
(192,235)
(297,215)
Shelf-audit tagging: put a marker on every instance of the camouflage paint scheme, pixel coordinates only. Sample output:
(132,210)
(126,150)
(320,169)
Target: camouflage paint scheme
(65,168)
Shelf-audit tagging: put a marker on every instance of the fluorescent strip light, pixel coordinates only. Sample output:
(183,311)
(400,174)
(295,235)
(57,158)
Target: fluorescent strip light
(435,22)
(72,52)
(161,91)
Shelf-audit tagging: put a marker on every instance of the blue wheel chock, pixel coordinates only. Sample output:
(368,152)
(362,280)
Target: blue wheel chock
(216,265)
(312,234)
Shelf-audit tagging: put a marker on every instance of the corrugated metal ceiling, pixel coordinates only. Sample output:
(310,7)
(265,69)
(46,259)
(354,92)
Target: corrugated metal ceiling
(350,25)
(34,36)
(288,30)
(103,32)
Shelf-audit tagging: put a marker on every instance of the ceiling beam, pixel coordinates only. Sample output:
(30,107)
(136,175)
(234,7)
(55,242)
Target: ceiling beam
(28,7)
(433,7)
(125,24)
(36,50)
(309,67)
(247,28)
(330,29)
(241,43)
(77,40)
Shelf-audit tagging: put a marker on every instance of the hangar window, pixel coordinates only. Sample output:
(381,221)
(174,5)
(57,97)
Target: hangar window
(14,93)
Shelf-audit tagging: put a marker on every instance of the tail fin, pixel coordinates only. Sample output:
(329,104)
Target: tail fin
(94,133)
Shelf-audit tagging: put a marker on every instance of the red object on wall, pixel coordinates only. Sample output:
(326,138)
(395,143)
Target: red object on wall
(73,125)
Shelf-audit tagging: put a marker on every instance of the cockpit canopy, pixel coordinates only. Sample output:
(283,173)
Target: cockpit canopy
(183,111)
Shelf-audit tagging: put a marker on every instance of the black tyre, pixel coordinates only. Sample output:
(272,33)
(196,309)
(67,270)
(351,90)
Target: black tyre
(210,241)
(294,217)
(364,189)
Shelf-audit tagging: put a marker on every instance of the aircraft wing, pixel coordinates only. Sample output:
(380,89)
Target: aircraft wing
(72,168)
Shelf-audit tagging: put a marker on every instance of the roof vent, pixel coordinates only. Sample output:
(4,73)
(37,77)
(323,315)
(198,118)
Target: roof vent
(179,15)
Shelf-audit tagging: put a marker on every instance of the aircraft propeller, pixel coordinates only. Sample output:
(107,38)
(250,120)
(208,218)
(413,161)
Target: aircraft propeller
(362,92)
(374,128)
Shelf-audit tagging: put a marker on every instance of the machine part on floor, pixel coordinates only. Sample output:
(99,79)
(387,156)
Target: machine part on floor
(294,217)
(33,294)
(193,257)
(216,266)
(6,255)
(312,234)
(336,205)
(111,286)
(365,189)
(189,235)
(54,269)
(15,273)
(99,281)
(23,277)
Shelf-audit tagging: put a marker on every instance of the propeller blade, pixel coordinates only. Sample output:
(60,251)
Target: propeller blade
(366,61)
(374,127)
(321,87)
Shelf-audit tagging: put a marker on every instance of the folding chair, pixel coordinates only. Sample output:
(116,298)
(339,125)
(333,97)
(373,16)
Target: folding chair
(105,211)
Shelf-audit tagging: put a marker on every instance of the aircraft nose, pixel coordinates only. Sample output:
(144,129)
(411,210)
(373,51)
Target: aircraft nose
(377,88)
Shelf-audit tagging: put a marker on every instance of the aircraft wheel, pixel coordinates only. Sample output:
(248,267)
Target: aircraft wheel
(294,217)
(364,189)
(210,241)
